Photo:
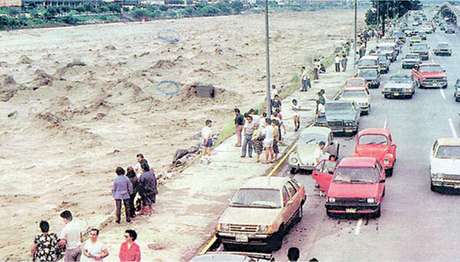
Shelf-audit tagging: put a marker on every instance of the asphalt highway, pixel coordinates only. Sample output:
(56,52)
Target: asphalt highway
(416,223)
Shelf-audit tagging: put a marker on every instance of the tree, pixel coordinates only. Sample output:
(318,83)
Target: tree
(237,6)
(390,9)
(13,11)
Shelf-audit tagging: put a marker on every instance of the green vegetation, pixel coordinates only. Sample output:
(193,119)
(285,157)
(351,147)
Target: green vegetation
(389,9)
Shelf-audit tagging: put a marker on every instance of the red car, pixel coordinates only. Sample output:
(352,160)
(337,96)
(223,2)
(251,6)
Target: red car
(429,75)
(377,142)
(355,186)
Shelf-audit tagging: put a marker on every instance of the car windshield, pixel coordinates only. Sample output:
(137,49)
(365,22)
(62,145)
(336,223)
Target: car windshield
(382,58)
(420,47)
(255,197)
(336,107)
(448,152)
(401,79)
(356,82)
(443,46)
(373,139)
(367,73)
(354,93)
(431,68)
(312,138)
(386,48)
(358,175)
(412,57)
(368,62)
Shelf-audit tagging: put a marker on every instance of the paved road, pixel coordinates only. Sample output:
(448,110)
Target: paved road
(416,224)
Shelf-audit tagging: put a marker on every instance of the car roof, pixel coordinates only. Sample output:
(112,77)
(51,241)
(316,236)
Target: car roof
(355,78)
(266,182)
(357,162)
(412,54)
(317,130)
(448,141)
(369,131)
(369,57)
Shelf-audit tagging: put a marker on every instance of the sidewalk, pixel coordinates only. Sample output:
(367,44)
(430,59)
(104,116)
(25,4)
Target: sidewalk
(188,206)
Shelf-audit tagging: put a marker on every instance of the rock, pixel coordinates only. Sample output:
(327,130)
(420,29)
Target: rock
(76,62)
(25,60)
(110,47)
(13,115)
(99,116)
(8,80)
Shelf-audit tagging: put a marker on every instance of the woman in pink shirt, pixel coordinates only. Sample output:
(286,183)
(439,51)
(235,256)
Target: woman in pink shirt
(129,250)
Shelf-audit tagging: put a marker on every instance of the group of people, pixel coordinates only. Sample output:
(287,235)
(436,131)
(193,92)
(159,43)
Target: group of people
(138,180)
(69,245)
(340,62)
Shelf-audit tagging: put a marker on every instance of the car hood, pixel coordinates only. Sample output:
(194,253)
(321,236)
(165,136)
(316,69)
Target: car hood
(445,166)
(308,152)
(339,116)
(369,78)
(377,151)
(434,74)
(249,216)
(398,85)
(411,60)
(353,190)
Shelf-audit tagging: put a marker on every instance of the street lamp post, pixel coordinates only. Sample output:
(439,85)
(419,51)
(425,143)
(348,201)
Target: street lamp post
(267,58)
(356,34)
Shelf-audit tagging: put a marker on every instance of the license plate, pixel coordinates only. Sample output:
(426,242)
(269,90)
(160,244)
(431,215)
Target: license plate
(241,238)
(396,94)
(350,210)
(348,131)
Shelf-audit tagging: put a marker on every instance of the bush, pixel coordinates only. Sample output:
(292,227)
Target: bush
(237,6)
(70,20)
(140,13)
(208,10)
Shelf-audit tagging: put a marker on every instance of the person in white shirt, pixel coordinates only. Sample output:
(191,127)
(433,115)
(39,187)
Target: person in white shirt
(296,116)
(337,63)
(305,80)
(71,237)
(206,138)
(268,141)
(93,249)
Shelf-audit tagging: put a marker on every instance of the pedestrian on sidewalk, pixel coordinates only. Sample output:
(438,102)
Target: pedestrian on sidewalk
(45,247)
(71,237)
(344,62)
(276,138)
(305,79)
(148,189)
(281,126)
(206,138)
(276,103)
(140,158)
(255,118)
(268,141)
(321,98)
(275,91)
(296,117)
(129,249)
(337,63)
(122,189)
(131,175)
(248,130)
(239,123)
(93,249)
(257,139)
(316,67)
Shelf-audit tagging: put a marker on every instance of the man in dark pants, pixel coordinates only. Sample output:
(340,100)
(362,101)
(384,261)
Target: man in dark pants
(121,191)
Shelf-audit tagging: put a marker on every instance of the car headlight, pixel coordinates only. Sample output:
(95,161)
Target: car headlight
(223,227)
(437,175)
(371,200)
(265,228)
(294,160)
(331,199)
(386,161)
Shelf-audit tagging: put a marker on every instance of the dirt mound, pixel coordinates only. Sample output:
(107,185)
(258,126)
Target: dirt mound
(110,47)
(8,80)
(69,69)
(41,78)
(25,60)
(51,118)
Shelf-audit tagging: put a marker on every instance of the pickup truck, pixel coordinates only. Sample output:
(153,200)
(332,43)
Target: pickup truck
(429,75)
(422,49)
(354,186)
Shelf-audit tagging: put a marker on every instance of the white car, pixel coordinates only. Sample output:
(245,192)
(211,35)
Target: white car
(360,96)
(445,164)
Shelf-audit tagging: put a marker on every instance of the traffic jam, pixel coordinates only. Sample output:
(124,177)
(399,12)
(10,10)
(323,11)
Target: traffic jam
(353,182)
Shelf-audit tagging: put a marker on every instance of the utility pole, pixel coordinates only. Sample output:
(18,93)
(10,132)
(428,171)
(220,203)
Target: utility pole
(378,20)
(267,58)
(356,34)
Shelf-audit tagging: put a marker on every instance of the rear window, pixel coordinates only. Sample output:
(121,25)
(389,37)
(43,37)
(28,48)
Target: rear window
(448,152)
(356,82)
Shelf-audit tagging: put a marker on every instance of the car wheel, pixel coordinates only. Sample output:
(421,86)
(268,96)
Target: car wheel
(457,99)
(434,188)
(386,96)
(294,171)
(389,172)
(410,96)
(277,240)
(377,213)
(444,87)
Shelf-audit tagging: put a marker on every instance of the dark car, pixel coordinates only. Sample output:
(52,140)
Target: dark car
(457,91)
(384,63)
(342,116)
(410,60)
(422,49)
(371,75)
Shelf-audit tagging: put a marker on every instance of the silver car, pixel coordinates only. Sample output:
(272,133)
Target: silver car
(399,86)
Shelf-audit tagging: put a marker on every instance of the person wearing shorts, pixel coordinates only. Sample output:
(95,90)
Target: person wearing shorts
(268,141)
(206,137)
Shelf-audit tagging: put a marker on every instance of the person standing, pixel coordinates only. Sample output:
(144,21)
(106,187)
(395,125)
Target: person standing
(239,123)
(321,98)
(276,138)
(71,237)
(257,139)
(316,68)
(148,189)
(305,80)
(296,117)
(255,117)
(344,62)
(122,189)
(276,103)
(248,130)
(130,250)
(45,247)
(131,175)
(337,63)
(140,159)
(93,249)
(206,138)
(268,141)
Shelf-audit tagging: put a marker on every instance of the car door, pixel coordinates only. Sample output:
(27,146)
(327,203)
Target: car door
(322,177)
(382,179)
(295,199)
(289,205)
